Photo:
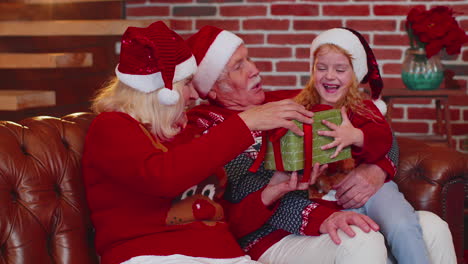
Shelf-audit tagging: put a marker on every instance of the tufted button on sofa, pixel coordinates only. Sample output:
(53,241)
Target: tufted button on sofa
(44,217)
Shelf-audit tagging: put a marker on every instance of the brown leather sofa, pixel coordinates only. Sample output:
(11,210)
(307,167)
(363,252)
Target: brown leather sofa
(44,216)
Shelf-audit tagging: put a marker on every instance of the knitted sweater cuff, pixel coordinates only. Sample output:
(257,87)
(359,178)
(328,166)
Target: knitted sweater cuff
(250,214)
(388,167)
(256,207)
(314,218)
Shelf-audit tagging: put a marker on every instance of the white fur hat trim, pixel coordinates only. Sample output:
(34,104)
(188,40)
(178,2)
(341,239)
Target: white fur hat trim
(346,40)
(144,83)
(152,82)
(214,61)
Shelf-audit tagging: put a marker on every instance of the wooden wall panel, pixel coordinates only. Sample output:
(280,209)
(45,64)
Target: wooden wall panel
(61,11)
(73,86)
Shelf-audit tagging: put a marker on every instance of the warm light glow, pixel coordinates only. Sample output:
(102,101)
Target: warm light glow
(61,1)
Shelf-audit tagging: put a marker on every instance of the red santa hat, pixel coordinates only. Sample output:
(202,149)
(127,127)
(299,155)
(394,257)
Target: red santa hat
(154,58)
(363,60)
(212,47)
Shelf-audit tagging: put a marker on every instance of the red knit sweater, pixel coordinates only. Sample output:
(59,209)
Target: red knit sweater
(381,141)
(211,116)
(377,134)
(374,152)
(138,193)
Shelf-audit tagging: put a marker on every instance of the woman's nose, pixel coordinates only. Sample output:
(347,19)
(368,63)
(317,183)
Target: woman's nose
(193,93)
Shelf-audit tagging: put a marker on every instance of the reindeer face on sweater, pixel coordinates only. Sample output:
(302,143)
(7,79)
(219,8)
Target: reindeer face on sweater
(334,174)
(197,203)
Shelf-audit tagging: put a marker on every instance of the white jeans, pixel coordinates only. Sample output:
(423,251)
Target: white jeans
(363,248)
(438,238)
(181,259)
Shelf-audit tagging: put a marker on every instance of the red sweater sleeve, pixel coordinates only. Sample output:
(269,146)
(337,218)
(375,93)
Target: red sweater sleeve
(314,217)
(377,136)
(248,215)
(387,166)
(117,146)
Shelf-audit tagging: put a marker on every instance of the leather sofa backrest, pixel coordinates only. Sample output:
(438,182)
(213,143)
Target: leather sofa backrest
(44,217)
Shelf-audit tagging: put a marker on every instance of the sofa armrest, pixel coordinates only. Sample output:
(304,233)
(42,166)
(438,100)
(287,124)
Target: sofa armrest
(433,178)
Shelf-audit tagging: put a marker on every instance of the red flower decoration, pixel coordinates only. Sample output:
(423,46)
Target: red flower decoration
(434,30)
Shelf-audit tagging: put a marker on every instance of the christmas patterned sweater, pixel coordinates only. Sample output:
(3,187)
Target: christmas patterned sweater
(148,198)
(296,214)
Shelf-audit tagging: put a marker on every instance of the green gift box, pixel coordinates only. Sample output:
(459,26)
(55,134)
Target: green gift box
(292,146)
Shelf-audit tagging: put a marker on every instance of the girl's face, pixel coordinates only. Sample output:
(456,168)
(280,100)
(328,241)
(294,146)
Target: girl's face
(333,74)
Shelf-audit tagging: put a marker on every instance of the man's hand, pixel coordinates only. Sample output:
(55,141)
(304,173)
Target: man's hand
(280,184)
(342,220)
(277,114)
(359,185)
(345,134)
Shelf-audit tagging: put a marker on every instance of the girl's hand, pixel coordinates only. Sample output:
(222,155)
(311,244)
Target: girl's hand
(345,134)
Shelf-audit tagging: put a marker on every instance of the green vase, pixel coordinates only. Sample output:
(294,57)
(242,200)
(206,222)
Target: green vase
(420,73)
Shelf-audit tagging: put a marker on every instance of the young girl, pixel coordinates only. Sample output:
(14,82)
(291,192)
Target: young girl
(340,60)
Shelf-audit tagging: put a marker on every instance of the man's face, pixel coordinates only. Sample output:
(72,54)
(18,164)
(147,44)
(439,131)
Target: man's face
(241,86)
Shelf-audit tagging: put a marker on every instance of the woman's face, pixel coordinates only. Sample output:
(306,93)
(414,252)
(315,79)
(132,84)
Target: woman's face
(333,74)
(188,95)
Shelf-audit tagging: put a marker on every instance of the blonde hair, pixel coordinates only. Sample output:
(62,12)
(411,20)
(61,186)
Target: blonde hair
(160,119)
(353,100)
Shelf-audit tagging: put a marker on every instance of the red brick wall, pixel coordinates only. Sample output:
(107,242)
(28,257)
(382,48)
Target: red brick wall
(278,34)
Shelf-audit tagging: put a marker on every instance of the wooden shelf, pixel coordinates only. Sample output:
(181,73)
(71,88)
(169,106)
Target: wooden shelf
(13,100)
(421,93)
(62,1)
(45,60)
(108,27)
(428,138)
(442,108)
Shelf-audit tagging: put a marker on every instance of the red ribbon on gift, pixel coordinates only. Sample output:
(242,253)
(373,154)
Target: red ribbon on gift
(274,136)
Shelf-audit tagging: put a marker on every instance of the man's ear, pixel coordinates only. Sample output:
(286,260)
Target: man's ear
(212,94)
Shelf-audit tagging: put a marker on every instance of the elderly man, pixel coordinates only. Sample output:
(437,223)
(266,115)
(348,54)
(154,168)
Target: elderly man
(300,230)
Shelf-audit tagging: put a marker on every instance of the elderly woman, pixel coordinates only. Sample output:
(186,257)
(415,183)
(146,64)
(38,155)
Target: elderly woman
(154,199)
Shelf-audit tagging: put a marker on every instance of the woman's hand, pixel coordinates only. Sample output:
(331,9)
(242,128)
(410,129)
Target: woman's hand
(317,170)
(280,184)
(345,134)
(342,220)
(277,114)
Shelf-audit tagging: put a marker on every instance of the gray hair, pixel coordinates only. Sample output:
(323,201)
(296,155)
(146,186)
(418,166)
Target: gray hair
(223,81)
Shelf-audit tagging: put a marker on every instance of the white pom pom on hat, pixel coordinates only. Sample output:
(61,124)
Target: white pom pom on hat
(381,105)
(168,96)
